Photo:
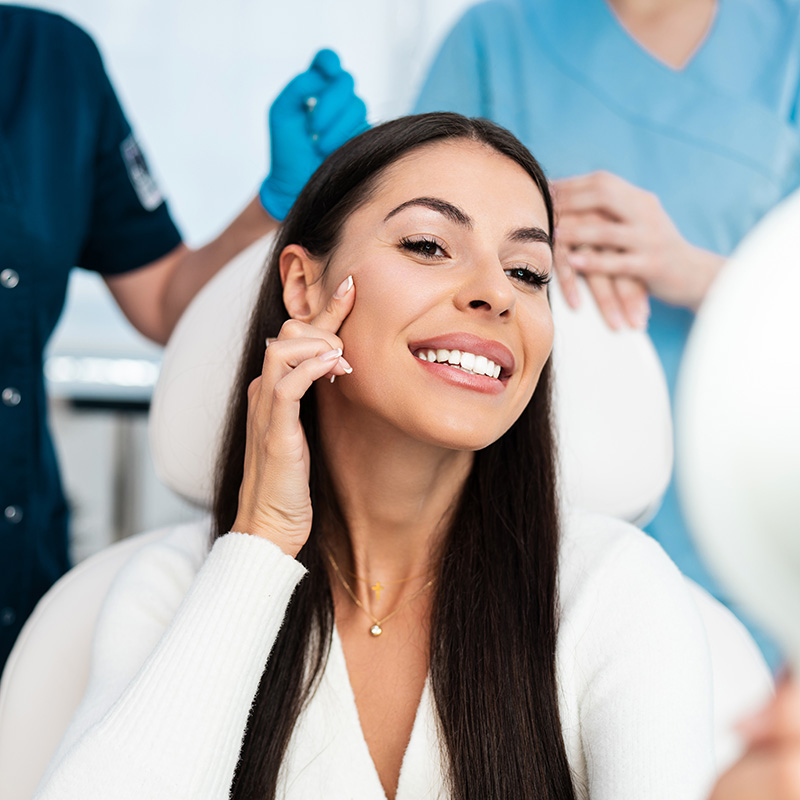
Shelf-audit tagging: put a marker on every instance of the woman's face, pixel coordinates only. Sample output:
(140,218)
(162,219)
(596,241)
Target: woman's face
(450,257)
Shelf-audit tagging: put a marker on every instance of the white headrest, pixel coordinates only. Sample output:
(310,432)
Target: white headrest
(612,405)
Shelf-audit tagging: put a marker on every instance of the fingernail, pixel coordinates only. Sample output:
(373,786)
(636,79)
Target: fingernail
(266,344)
(345,365)
(640,319)
(333,378)
(616,321)
(576,259)
(344,287)
(331,355)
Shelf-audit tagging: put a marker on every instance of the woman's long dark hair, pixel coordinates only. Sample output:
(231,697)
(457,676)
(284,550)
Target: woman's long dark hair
(493,625)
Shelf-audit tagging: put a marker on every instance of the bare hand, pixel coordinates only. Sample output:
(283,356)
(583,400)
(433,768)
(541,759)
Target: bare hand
(770,768)
(609,227)
(274,500)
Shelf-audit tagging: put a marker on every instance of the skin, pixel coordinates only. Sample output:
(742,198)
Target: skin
(401,433)
(770,767)
(617,236)
(154,296)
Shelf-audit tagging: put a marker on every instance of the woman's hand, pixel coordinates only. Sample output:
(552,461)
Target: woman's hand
(770,768)
(610,228)
(274,500)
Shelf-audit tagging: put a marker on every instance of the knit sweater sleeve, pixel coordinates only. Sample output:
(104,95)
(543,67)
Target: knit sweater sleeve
(635,668)
(178,654)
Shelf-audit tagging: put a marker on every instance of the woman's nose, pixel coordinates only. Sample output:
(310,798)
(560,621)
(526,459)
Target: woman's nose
(487,289)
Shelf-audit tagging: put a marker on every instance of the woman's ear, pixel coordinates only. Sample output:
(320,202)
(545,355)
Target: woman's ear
(299,275)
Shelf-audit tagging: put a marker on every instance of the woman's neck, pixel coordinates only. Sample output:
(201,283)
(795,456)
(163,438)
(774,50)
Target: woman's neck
(396,495)
(670,30)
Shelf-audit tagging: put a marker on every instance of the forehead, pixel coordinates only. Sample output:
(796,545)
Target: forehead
(471,175)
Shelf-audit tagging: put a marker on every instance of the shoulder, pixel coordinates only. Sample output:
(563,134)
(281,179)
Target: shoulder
(605,562)
(491,19)
(595,543)
(59,58)
(47,28)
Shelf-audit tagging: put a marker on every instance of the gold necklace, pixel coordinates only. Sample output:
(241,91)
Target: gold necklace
(378,587)
(377,624)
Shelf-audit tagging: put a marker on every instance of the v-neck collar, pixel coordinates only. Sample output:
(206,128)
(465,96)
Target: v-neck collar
(588,46)
(420,773)
(607,20)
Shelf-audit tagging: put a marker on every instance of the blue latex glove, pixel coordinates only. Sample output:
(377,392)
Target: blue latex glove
(316,112)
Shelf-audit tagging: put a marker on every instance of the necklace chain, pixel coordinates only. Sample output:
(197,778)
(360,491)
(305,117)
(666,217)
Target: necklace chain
(377,626)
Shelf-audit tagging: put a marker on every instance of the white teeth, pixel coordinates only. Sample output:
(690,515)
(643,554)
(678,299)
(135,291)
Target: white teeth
(468,362)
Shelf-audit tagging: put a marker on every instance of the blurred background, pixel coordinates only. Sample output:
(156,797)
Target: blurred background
(196,78)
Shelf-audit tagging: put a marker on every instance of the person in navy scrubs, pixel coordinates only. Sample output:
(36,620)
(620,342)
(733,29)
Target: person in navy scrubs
(75,190)
(669,126)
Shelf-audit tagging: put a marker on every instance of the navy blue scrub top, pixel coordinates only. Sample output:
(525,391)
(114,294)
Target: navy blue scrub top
(74,191)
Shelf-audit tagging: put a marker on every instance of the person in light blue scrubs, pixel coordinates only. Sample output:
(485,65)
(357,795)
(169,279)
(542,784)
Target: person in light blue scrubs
(664,154)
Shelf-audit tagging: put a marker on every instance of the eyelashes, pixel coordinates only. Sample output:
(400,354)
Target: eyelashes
(423,246)
(429,248)
(529,276)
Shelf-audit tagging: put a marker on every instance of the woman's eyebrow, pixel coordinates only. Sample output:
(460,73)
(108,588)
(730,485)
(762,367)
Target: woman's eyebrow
(448,210)
(531,235)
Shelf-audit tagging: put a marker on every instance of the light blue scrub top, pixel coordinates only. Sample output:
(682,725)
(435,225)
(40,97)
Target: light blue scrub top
(718,141)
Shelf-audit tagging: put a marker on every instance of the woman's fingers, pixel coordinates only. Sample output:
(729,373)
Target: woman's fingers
(603,192)
(289,390)
(575,231)
(622,301)
(339,306)
(611,263)
(567,279)
(608,302)
(634,300)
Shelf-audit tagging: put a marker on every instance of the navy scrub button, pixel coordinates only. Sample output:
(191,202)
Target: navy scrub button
(7,617)
(11,396)
(13,514)
(9,278)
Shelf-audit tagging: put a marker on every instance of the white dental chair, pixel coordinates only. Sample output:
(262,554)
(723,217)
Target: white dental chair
(616,442)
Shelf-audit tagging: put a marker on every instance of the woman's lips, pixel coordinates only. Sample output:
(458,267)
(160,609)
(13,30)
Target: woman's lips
(466,360)
(468,351)
(460,377)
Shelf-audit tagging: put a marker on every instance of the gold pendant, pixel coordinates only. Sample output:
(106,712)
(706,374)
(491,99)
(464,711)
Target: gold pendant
(376,630)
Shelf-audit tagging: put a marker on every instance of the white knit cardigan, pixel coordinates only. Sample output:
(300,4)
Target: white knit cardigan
(184,636)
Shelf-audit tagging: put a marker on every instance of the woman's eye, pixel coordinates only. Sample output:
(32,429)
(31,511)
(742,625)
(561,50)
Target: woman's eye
(529,276)
(427,248)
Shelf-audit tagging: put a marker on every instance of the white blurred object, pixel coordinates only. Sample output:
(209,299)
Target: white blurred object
(739,425)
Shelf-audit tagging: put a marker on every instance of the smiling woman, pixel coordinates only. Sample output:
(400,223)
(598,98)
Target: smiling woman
(393,604)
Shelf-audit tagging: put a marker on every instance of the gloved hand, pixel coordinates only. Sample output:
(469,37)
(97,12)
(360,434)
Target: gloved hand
(305,131)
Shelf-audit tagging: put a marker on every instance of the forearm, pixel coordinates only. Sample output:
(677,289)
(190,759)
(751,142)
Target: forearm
(174,731)
(194,268)
(154,296)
